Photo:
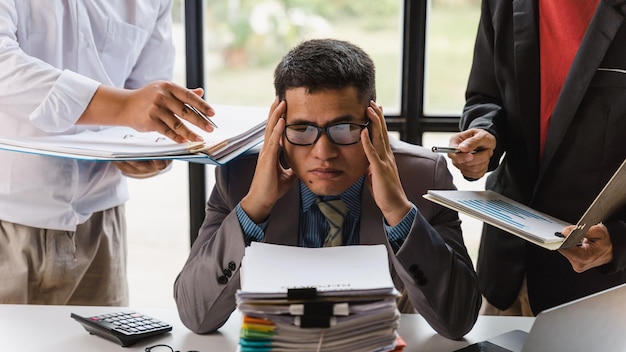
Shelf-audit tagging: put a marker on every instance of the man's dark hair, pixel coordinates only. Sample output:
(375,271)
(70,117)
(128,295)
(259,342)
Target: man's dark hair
(320,64)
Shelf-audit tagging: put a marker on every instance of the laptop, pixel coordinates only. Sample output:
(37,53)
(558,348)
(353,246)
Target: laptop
(591,323)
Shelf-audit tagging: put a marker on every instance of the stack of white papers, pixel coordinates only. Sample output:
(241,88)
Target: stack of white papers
(317,299)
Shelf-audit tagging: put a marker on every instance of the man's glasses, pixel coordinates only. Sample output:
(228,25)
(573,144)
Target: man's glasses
(340,134)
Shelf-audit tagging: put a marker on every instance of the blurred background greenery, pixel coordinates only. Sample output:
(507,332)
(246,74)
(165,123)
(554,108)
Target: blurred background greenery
(244,39)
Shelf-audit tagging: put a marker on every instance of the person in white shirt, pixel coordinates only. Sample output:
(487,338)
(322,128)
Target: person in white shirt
(68,66)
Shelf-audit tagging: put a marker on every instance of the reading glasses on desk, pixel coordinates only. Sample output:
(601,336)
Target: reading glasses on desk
(163,348)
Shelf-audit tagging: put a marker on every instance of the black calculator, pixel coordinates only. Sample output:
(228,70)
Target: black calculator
(124,328)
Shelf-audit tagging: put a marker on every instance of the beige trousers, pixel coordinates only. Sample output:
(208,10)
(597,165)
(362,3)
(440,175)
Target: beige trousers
(85,267)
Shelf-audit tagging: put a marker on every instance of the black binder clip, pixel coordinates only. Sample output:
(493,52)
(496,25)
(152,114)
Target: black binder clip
(315,314)
(315,321)
(306,293)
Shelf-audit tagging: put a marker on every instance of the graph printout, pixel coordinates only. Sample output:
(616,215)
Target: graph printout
(499,211)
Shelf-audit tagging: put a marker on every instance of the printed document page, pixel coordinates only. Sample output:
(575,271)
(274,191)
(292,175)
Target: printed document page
(504,213)
(346,270)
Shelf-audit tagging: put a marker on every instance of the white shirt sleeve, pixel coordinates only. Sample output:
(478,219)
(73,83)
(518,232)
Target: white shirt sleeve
(70,94)
(51,70)
(53,99)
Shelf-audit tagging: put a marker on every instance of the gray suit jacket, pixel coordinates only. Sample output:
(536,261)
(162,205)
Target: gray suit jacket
(432,267)
(584,146)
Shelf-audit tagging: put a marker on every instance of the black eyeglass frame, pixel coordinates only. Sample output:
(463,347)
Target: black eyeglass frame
(324,129)
(149,349)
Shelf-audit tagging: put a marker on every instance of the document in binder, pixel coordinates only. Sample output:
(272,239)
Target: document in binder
(240,129)
(529,224)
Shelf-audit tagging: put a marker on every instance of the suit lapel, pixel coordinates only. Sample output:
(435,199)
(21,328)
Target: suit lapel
(282,226)
(526,63)
(602,28)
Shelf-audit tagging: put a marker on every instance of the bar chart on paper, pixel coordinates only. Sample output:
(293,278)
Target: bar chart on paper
(503,213)
(532,225)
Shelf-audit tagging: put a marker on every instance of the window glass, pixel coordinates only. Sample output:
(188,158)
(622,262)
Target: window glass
(245,39)
(450,36)
(157,214)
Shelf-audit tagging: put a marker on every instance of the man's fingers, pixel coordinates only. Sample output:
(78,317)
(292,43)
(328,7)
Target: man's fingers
(277,132)
(473,140)
(376,136)
(273,134)
(173,128)
(567,230)
(191,113)
(276,112)
(201,119)
(191,97)
(143,168)
(171,134)
(473,171)
(188,105)
(376,114)
(370,150)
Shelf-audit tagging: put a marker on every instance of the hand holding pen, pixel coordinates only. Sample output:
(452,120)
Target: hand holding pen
(453,150)
(470,151)
(159,106)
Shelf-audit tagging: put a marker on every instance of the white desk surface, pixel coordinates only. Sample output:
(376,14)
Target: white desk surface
(49,328)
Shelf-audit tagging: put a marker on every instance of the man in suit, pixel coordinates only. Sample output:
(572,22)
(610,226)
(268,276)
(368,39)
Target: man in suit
(546,99)
(326,138)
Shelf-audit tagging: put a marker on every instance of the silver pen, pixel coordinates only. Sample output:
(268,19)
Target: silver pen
(206,118)
(452,150)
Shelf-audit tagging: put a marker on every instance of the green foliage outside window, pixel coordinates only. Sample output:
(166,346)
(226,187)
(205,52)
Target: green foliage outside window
(268,28)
